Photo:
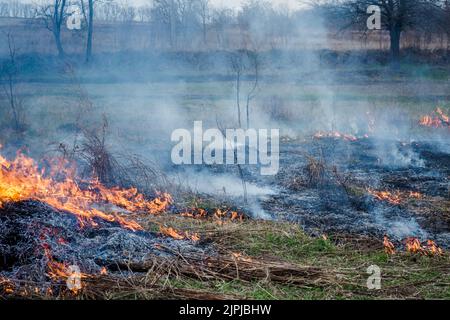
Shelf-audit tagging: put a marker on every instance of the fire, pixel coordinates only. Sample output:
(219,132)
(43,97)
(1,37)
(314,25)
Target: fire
(388,246)
(219,214)
(58,271)
(232,215)
(21,179)
(6,285)
(335,135)
(433,249)
(178,235)
(395,197)
(414,246)
(416,195)
(436,120)
(443,116)
(392,198)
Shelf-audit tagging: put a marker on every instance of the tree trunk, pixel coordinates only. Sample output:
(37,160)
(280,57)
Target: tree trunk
(57,35)
(172,24)
(90,31)
(238,97)
(395,34)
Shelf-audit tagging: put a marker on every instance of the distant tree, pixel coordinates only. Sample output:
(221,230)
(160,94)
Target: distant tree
(53,15)
(397,16)
(221,20)
(90,30)
(204,15)
(9,72)
(245,63)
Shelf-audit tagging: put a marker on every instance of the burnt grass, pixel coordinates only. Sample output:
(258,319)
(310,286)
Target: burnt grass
(324,187)
(325,232)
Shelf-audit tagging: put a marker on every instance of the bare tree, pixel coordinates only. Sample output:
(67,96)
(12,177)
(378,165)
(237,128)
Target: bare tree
(53,16)
(204,15)
(237,67)
(90,30)
(221,20)
(9,71)
(245,63)
(254,62)
(397,16)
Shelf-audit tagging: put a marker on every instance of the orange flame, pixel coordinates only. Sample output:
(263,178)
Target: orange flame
(433,249)
(178,235)
(219,214)
(60,271)
(396,197)
(21,179)
(6,285)
(414,246)
(388,246)
(393,198)
(436,120)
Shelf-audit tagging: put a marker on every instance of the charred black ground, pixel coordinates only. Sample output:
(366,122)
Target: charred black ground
(323,185)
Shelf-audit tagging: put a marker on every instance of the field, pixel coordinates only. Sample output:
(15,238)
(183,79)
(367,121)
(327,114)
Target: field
(320,231)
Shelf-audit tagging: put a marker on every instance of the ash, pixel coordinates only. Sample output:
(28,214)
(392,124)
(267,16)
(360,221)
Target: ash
(28,228)
(335,200)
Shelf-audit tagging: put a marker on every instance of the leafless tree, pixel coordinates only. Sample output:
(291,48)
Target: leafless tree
(254,65)
(9,72)
(53,15)
(90,30)
(237,67)
(397,16)
(204,15)
(245,63)
(221,20)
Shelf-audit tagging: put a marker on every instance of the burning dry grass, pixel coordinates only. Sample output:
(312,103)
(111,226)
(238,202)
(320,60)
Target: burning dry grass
(254,260)
(21,179)
(438,119)
(395,197)
(245,259)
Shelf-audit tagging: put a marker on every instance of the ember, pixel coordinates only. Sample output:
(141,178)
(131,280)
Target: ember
(219,214)
(392,198)
(178,235)
(395,197)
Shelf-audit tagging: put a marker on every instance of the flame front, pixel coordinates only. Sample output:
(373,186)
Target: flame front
(21,179)
(414,246)
(436,120)
(178,235)
(395,197)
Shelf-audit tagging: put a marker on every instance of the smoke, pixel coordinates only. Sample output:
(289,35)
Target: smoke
(294,75)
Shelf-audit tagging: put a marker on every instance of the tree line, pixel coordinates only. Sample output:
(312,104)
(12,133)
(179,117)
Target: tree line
(178,21)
